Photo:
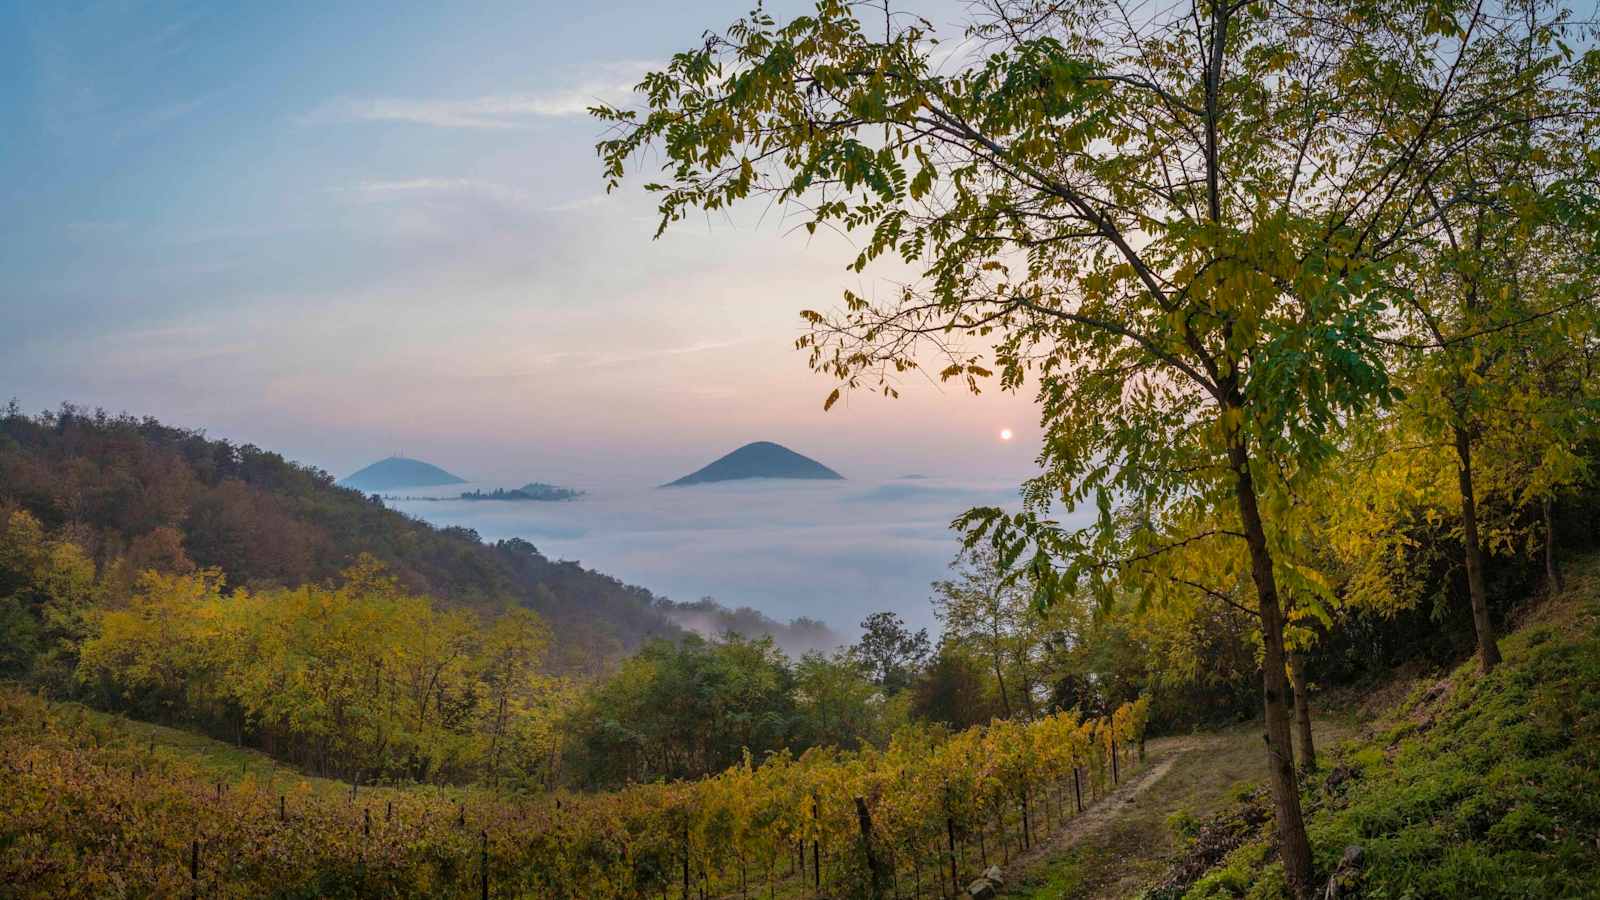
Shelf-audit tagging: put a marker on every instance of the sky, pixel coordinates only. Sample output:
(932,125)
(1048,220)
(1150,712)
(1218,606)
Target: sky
(342,231)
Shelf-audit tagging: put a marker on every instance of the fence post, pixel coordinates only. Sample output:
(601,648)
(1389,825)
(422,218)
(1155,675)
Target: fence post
(874,873)
(816,842)
(483,862)
(194,869)
(950,831)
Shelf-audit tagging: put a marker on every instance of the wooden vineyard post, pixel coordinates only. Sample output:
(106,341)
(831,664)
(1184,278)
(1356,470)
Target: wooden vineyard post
(816,842)
(483,862)
(194,869)
(950,831)
(366,822)
(1115,777)
(283,810)
(1077,789)
(388,812)
(874,872)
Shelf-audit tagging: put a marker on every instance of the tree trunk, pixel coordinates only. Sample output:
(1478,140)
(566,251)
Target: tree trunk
(1293,845)
(1306,749)
(1000,678)
(1552,570)
(1488,648)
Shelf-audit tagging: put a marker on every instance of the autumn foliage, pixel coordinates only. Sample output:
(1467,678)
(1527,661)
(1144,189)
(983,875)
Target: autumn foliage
(92,811)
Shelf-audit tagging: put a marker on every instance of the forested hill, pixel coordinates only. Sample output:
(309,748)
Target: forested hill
(156,496)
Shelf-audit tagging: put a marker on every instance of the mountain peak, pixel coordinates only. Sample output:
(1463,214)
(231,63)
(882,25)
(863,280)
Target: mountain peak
(399,472)
(760,459)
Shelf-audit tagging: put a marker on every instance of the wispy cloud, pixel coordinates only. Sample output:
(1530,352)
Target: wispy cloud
(589,359)
(377,189)
(611,83)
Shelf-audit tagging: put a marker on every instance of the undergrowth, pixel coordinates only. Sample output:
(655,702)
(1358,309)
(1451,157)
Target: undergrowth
(1474,786)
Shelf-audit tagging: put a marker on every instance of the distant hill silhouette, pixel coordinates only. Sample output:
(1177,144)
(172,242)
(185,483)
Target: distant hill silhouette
(398,472)
(762,459)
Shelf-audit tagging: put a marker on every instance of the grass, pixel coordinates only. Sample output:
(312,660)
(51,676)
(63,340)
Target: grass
(1481,786)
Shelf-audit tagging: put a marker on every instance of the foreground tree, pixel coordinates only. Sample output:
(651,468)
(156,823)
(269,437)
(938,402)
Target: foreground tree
(1177,221)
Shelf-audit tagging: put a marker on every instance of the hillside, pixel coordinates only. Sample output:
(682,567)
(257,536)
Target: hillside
(1472,786)
(762,459)
(398,472)
(1467,786)
(1462,786)
(92,800)
(154,496)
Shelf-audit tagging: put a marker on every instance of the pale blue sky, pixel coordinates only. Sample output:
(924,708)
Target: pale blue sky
(341,230)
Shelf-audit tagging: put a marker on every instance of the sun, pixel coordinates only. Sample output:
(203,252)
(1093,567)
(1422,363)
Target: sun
(1005,434)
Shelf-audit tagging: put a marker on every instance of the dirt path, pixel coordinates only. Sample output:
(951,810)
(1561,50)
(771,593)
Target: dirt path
(1026,870)
(1122,843)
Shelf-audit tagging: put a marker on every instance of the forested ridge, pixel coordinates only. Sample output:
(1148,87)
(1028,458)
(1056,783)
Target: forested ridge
(135,494)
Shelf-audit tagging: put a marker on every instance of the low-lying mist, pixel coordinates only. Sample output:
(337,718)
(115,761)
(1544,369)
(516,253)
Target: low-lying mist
(826,551)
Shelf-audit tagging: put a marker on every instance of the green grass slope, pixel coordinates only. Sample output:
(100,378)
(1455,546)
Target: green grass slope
(1474,786)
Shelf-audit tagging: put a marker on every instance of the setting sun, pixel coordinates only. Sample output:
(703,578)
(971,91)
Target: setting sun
(1005,434)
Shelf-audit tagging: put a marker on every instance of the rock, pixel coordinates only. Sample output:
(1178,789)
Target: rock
(988,885)
(1346,875)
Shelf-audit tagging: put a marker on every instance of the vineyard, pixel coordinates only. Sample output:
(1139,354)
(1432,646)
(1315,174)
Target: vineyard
(92,810)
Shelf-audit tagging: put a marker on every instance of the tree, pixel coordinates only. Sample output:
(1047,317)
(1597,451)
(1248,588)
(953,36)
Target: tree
(838,702)
(47,586)
(891,653)
(684,709)
(1498,323)
(509,667)
(1177,221)
(951,691)
(994,617)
